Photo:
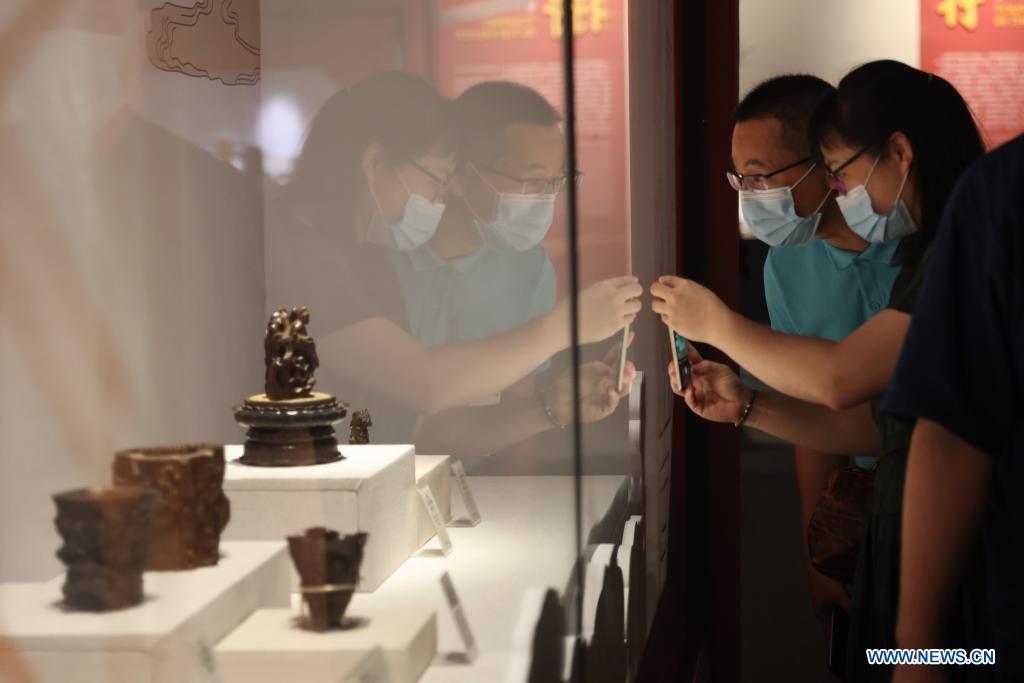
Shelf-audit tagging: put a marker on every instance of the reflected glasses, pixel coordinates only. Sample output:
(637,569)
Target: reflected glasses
(536,185)
(441,185)
(759,181)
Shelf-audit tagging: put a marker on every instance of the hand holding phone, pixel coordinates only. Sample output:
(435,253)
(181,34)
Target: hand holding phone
(680,357)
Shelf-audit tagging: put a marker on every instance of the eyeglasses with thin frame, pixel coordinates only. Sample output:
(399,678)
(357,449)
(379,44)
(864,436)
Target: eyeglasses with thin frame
(441,185)
(832,175)
(759,181)
(535,185)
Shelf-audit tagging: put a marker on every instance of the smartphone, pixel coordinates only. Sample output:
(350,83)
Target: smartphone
(680,357)
(623,348)
(839,629)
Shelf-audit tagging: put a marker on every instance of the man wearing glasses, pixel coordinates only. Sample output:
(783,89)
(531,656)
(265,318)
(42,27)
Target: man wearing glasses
(821,279)
(485,271)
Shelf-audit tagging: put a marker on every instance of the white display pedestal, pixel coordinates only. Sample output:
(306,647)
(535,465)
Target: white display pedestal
(371,490)
(434,471)
(165,639)
(269,647)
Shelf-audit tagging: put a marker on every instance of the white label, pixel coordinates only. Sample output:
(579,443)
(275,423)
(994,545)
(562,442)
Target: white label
(459,615)
(435,518)
(459,472)
(373,669)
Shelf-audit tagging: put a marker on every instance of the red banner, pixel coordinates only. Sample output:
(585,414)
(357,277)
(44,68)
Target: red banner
(978,46)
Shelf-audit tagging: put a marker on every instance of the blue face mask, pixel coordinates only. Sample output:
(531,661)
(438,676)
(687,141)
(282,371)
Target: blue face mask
(771,215)
(872,226)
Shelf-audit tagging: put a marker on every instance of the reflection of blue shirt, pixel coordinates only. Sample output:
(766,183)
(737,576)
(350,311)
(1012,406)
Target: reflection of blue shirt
(475,296)
(817,290)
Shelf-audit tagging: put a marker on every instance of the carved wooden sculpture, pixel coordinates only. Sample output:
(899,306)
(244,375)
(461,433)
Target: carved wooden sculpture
(105,533)
(289,355)
(359,428)
(328,566)
(290,424)
(193,509)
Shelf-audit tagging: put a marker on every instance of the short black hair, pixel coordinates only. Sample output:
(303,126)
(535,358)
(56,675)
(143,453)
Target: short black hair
(485,110)
(791,99)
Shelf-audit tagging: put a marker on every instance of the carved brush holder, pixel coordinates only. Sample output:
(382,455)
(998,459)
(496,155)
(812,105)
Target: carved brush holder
(106,533)
(193,509)
(328,566)
(290,433)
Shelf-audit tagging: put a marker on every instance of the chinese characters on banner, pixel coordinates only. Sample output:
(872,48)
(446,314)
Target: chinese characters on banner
(521,41)
(978,46)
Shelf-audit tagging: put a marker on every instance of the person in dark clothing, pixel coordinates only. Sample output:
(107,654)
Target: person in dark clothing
(961,378)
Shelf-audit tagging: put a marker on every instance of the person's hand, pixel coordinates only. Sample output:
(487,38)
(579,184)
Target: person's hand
(826,595)
(599,397)
(605,307)
(690,309)
(715,392)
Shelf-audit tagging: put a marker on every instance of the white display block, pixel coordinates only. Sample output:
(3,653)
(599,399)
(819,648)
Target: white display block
(372,490)
(270,647)
(435,472)
(165,639)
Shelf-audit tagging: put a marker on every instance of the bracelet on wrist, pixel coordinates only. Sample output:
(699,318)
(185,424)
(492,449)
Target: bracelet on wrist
(549,412)
(746,409)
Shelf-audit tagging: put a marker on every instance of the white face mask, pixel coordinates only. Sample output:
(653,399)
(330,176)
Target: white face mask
(520,222)
(875,227)
(771,215)
(418,223)
(71,83)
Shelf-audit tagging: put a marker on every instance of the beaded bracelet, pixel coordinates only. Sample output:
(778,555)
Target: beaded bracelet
(746,409)
(545,403)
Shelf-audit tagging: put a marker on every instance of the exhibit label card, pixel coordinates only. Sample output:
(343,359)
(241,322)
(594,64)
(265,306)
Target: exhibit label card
(459,615)
(373,669)
(435,518)
(459,472)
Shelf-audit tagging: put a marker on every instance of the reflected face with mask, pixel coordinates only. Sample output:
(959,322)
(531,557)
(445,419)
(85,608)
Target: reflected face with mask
(784,196)
(511,193)
(876,186)
(406,197)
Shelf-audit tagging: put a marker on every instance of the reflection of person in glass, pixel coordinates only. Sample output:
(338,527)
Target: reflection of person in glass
(370,181)
(485,271)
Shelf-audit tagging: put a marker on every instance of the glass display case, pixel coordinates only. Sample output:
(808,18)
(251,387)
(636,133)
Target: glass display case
(329,355)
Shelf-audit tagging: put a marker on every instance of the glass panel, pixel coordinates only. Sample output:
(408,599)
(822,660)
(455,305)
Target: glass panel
(174,176)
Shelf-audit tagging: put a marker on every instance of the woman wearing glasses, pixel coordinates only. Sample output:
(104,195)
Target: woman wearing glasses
(371,181)
(894,140)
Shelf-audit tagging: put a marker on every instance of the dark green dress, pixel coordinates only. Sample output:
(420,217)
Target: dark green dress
(875,593)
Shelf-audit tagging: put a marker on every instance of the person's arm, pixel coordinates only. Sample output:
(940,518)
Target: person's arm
(377,353)
(717,394)
(479,430)
(947,487)
(836,374)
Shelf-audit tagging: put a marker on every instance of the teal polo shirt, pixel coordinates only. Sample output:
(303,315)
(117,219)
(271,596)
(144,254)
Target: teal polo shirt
(817,290)
(479,295)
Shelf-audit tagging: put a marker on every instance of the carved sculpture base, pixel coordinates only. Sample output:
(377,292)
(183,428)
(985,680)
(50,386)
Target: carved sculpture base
(193,509)
(290,433)
(106,534)
(328,567)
